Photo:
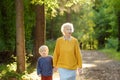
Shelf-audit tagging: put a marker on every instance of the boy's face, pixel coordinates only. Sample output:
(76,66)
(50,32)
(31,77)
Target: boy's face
(43,52)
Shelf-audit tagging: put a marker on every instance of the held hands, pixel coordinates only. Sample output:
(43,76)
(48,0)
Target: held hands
(55,69)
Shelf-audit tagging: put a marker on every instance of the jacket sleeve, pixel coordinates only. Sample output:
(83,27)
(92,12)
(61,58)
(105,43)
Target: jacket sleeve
(78,55)
(56,54)
(38,67)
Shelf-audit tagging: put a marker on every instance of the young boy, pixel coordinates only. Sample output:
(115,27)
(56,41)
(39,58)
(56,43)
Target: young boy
(44,64)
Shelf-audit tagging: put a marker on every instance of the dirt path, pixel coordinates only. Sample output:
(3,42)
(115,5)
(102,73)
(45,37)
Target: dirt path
(96,66)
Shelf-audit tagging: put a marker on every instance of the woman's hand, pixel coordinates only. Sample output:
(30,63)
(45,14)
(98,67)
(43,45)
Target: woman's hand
(80,71)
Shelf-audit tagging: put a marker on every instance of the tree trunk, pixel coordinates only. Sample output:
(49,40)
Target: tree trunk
(39,32)
(68,17)
(101,41)
(20,40)
(118,33)
(51,29)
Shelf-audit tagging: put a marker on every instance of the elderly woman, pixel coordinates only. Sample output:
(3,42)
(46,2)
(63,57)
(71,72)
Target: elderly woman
(67,56)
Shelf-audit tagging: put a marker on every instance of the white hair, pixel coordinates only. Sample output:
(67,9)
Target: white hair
(67,24)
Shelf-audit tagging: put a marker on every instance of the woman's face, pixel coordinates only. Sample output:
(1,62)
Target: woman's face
(67,31)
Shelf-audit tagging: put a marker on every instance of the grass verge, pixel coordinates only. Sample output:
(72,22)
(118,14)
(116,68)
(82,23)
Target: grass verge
(111,53)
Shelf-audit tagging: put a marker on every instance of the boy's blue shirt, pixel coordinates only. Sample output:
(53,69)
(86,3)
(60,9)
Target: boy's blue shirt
(45,66)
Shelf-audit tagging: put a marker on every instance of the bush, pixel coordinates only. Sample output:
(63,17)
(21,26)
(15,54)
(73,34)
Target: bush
(9,71)
(112,43)
(6,57)
(51,46)
(11,74)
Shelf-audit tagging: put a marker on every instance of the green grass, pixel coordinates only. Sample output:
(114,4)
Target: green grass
(111,53)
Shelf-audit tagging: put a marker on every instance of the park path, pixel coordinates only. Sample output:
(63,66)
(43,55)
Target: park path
(96,66)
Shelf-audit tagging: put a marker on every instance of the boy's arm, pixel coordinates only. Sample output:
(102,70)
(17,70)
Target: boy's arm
(38,68)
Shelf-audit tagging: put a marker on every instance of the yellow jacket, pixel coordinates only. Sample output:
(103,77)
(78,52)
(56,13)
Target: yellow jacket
(67,54)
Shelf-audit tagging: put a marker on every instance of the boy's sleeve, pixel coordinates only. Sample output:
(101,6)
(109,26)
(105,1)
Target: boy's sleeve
(52,61)
(38,67)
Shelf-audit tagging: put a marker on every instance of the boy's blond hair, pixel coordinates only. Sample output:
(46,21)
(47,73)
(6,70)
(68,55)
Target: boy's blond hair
(43,47)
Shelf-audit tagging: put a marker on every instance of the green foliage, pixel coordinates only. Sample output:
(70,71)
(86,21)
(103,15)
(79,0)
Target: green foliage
(84,26)
(9,71)
(8,29)
(114,5)
(50,6)
(51,46)
(7,25)
(114,8)
(11,74)
(112,53)
(2,45)
(106,23)
(29,20)
(6,57)
(111,43)
(53,27)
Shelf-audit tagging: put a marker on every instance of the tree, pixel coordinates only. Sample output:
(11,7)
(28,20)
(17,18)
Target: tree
(7,26)
(20,40)
(40,30)
(114,7)
(40,27)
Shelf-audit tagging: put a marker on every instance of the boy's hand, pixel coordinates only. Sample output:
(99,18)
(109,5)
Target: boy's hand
(39,75)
